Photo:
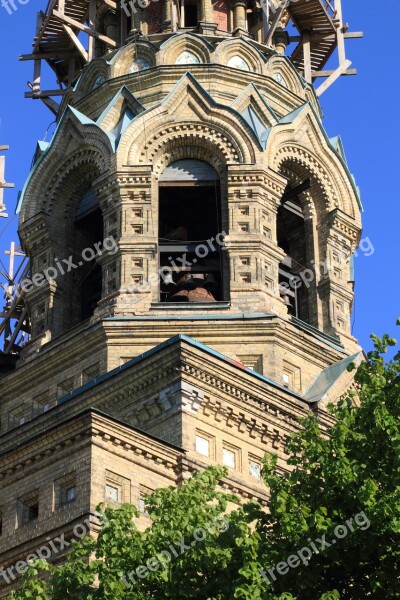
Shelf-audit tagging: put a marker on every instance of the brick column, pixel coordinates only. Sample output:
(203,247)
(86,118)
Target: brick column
(335,288)
(239,16)
(254,197)
(207,25)
(43,295)
(167,15)
(130,281)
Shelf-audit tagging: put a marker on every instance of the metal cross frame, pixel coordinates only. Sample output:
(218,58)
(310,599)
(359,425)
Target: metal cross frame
(3,183)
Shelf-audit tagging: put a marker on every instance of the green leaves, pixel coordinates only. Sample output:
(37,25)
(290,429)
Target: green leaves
(351,470)
(332,530)
(33,588)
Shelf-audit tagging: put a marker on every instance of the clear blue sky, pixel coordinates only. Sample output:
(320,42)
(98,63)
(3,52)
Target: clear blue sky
(362,109)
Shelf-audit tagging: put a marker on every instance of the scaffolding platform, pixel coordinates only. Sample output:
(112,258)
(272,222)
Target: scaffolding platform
(319,24)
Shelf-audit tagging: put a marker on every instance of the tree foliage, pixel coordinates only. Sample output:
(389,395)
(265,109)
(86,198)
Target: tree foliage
(341,501)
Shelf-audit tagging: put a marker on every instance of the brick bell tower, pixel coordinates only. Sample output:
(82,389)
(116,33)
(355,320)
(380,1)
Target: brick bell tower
(190,228)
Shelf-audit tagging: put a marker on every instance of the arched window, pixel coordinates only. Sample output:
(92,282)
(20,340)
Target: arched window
(190,256)
(100,79)
(140,64)
(187,58)
(88,234)
(237,62)
(294,280)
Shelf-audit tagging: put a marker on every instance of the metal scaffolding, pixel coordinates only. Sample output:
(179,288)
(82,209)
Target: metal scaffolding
(57,43)
(3,183)
(318,25)
(14,318)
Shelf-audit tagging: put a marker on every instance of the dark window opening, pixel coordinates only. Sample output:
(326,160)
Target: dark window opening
(67,494)
(89,233)
(189,8)
(254,15)
(291,237)
(28,510)
(125,22)
(190,255)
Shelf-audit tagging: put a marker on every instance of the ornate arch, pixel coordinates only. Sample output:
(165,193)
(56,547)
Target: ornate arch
(73,177)
(77,148)
(232,47)
(93,73)
(190,42)
(189,116)
(123,60)
(298,166)
(301,141)
(279,65)
(188,135)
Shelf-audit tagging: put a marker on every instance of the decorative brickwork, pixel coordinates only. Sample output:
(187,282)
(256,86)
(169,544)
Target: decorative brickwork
(123,386)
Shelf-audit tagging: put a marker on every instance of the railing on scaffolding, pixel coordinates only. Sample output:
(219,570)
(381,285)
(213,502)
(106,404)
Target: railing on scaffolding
(14,316)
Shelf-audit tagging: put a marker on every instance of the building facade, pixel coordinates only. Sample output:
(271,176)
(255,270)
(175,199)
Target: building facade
(190,228)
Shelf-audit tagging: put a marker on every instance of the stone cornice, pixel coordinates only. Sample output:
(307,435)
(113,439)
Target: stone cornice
(344,224)
(268,327)
(141,446)
(144,380)
(154,84)
(243,389)
(87,427)
(250,175)
(83,337)
(112,389)
(35,229)
(29,452)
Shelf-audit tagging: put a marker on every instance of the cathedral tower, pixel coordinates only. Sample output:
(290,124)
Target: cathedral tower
(190,229)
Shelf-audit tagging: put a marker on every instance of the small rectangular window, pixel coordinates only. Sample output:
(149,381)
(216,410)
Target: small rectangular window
(229,458)
(28,509)
(65,490)
(202,445)
(255,469)
(90,373)
(112,493)
(40,405)
(252,361)
(117,489)
(17,416)
(142,506)
(68,495)
(31,512)
(65,387)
